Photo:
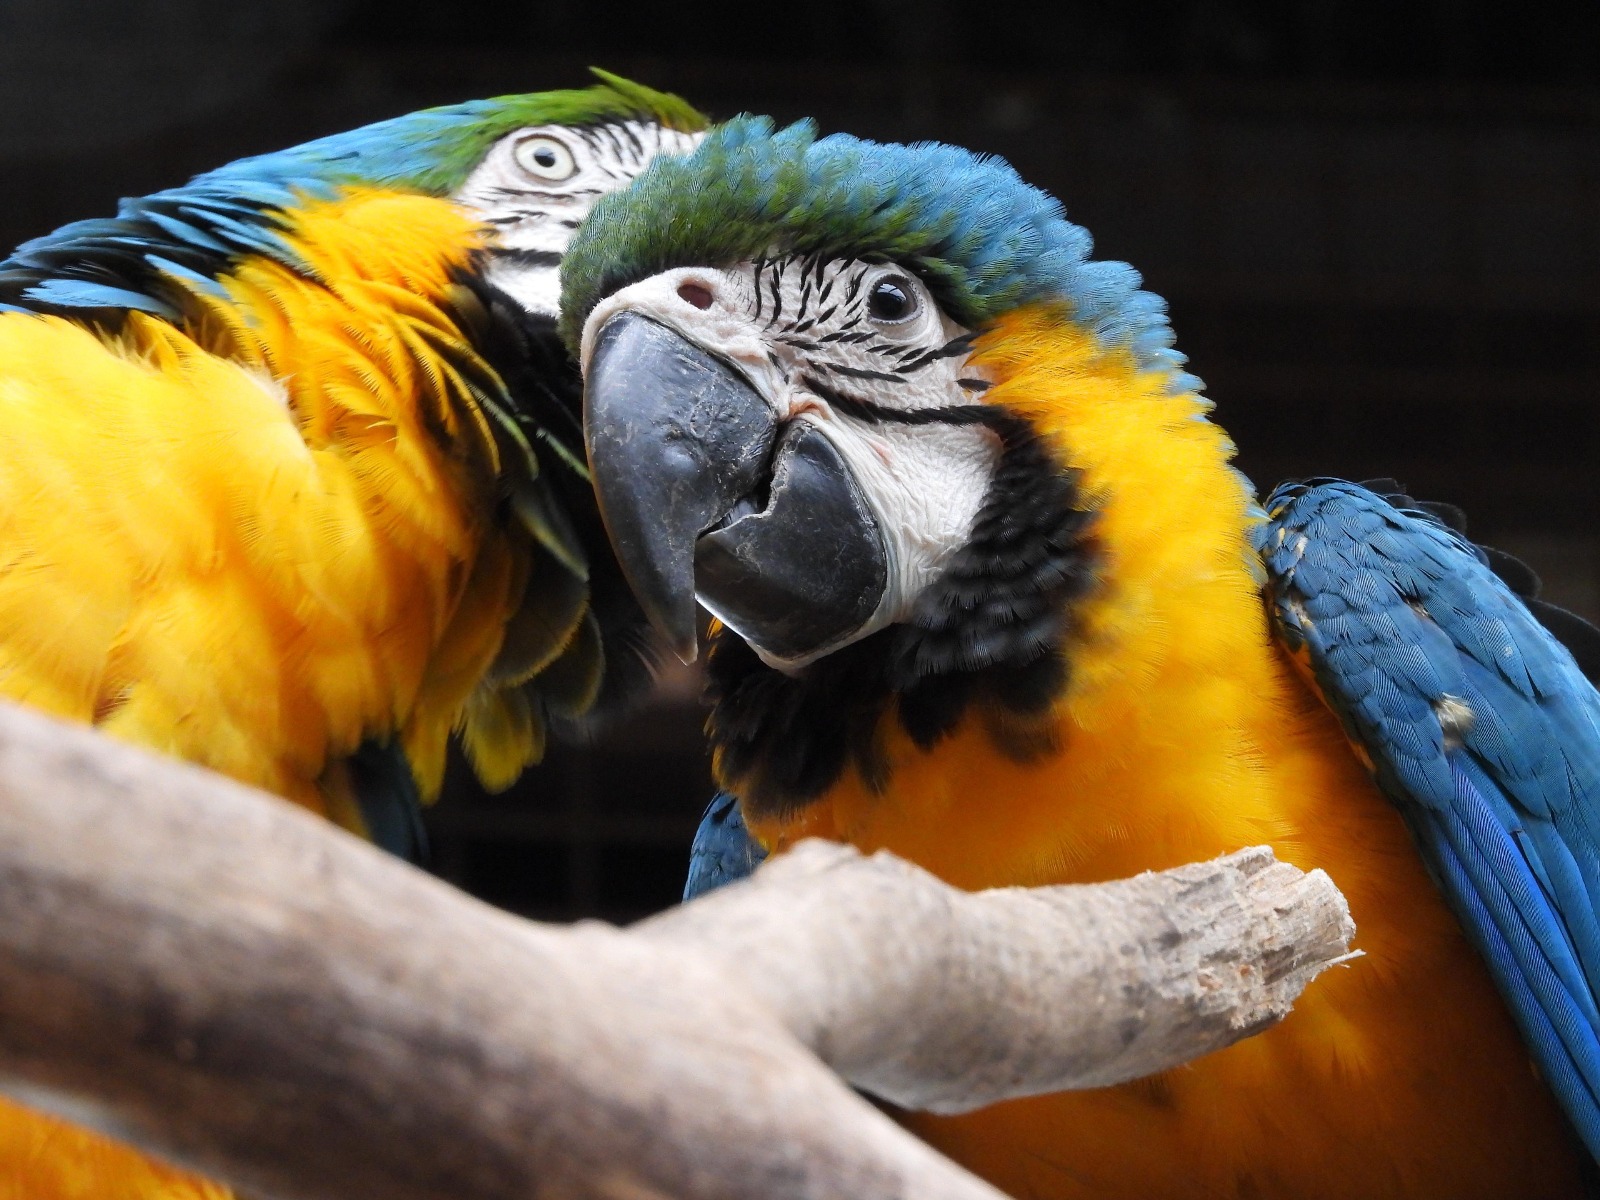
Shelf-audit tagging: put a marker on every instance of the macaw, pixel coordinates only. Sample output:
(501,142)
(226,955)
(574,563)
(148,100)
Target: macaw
(989,594)
(292,482)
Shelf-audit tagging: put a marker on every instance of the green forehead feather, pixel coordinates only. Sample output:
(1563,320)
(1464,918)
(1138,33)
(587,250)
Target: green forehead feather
(983,240)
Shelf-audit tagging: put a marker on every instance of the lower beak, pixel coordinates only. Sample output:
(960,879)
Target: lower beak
(705,493)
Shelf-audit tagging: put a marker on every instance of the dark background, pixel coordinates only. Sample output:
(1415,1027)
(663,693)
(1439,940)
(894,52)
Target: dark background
(1378,224)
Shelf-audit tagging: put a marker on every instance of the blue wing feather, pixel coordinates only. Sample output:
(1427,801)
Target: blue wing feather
(723,851)
(391,806)
(1484,732)
(82,293)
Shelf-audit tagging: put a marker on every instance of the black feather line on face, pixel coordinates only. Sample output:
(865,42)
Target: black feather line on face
(634,142)
(527,258)
(777,295)
(615,143)
(855,285)
(805,294)
(956,346)
(989,637)
(538,196)
(860,372)
(872,412)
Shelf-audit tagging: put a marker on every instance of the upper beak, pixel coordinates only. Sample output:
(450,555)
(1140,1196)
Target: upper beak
(705,492)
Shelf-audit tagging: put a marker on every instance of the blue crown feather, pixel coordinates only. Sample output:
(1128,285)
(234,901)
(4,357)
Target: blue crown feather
(985,241)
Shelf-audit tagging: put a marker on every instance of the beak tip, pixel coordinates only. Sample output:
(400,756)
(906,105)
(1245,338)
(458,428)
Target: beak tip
(682,637)
(672,620)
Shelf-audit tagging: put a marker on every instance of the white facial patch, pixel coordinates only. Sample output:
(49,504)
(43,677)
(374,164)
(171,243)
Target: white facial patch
(536,186)
(861,351)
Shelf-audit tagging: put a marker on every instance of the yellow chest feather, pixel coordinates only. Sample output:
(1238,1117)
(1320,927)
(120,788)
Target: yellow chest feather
(259,540)
(253,543)
(1184,733)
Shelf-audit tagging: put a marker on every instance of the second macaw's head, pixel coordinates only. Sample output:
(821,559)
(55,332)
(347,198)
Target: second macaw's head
(526,168)
(832,392)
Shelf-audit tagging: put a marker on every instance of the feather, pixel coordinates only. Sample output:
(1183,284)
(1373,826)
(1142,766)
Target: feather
(1482,729)
(723,850)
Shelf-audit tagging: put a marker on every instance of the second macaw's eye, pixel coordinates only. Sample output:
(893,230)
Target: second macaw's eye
(892,300)
(546,158)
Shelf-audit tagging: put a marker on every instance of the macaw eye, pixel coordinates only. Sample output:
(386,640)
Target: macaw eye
(546,158)
(892,300)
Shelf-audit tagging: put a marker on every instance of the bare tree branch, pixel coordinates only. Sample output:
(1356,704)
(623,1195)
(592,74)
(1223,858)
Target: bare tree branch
(237,986)
(947,1001)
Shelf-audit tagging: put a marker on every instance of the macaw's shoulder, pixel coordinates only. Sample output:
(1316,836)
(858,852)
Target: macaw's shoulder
(1482,729)
(1581,638)
(167,254)
(153,253)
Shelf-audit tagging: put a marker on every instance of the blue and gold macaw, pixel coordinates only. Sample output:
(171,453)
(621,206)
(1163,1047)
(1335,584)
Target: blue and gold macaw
(292,482)
(991,596)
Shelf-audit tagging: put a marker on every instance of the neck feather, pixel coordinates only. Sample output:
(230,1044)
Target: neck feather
(1112,494)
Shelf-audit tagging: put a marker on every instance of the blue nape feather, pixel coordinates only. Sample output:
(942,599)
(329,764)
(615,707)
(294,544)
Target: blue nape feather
(1482,730)
(723,852)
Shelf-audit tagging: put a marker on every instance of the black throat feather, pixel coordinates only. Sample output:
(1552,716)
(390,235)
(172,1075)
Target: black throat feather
(539,390)
(988,637)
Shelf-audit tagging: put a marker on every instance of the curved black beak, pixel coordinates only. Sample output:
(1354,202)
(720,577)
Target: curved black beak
(704,491)
(676,438)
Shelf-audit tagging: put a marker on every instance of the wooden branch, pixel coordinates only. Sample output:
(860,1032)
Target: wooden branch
(233,984)
(944,1000)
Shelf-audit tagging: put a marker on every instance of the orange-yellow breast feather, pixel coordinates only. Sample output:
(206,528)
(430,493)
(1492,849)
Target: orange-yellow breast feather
(259,540)
(257,545)
(1183,734)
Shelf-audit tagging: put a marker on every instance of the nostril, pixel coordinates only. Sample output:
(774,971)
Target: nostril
(697,294)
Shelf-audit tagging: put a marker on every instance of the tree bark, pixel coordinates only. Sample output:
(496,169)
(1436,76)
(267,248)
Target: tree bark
(237,986)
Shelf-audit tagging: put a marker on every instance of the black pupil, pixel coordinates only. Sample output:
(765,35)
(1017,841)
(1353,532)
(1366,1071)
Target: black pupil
(545,156)
(889,300)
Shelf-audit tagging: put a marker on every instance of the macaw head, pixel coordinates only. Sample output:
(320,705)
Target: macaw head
(530,165)
(867,403)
